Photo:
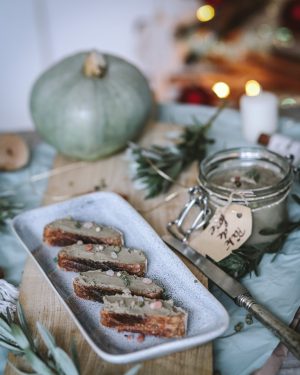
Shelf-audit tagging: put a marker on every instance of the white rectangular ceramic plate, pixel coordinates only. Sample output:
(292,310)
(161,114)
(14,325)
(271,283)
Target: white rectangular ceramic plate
(207,317)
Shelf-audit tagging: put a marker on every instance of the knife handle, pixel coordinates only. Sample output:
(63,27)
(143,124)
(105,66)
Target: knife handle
(289,337)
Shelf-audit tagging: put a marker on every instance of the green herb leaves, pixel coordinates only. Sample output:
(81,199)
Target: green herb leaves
(17,338)
(158,167)
(8,209)
(247,258)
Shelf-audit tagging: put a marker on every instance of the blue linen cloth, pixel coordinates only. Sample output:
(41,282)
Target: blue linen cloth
(277,287)
(12,254)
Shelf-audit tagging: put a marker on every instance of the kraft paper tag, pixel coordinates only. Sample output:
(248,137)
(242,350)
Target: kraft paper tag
(228,229)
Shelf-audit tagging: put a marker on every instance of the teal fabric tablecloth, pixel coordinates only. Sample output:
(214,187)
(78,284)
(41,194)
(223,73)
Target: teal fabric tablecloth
(277,286)
(12,254)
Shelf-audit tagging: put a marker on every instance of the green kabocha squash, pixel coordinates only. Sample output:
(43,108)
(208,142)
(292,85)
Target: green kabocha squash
(90,105)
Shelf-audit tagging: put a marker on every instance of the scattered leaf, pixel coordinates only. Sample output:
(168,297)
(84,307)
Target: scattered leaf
(36,363)
(19,371)
(17,338)
(8,209)
(20,337)
(75,355)
(239,327)
(296,198)
(23,323)
(4,324)
(249,319)
(270,231)
(134,370)
(10,346)
(5,334)
(47,338)
(64,362)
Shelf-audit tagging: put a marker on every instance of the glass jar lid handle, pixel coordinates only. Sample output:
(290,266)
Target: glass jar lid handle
(199,199)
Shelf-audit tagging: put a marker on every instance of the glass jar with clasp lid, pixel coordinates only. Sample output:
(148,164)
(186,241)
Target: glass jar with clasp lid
(250,176)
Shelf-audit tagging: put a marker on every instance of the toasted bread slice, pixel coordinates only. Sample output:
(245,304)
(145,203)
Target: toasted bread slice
(94,285)
(63,232)
(144,315)
(85,257)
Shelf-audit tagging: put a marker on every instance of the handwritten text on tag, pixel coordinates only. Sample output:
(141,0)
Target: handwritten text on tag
(228,229)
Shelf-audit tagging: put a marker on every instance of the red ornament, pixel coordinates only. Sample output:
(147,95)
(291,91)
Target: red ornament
(214,3)
(195,95)
(290,15)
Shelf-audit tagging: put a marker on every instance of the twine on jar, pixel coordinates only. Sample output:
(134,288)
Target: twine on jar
(242,194)
(221,209)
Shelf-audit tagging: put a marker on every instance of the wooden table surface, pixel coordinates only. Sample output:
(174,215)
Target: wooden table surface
(41,303)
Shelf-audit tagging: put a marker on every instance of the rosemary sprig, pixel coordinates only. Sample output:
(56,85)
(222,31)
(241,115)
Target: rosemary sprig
(17,337)
(247,258)
(156,163)
(8,209)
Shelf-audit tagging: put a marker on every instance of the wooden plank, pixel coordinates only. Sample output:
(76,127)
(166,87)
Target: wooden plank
(40,302)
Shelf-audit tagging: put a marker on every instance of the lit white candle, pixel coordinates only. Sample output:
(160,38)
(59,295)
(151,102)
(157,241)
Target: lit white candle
(259,112)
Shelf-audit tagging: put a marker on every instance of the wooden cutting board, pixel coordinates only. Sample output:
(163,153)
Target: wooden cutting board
(69,179)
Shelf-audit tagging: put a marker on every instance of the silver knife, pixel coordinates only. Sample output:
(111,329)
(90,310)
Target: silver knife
(240,295)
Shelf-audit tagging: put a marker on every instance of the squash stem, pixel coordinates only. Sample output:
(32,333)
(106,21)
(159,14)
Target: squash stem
(95,65)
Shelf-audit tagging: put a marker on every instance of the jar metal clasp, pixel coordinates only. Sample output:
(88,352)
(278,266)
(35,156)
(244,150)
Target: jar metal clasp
(197,199)
(296,168)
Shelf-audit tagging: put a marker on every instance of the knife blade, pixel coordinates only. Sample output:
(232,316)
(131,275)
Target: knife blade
(225,282)
(240,295)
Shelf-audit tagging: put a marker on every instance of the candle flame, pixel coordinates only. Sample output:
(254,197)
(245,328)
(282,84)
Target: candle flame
(252,88)
(205,13)
(221,89)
